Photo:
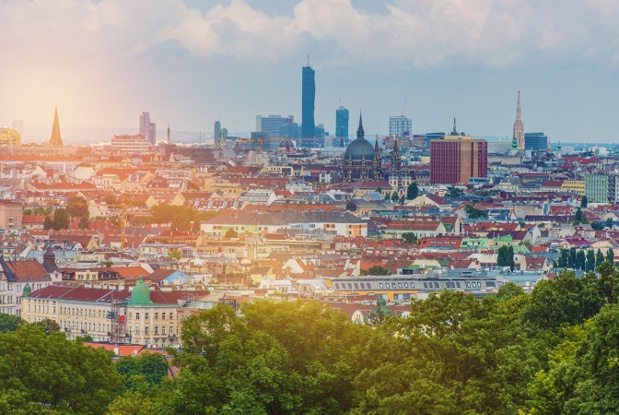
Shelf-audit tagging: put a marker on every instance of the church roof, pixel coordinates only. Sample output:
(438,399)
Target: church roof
(56,139)
(359,148)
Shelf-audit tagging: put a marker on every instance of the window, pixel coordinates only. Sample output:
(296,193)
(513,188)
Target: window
(156,329)
(137,316)
(356,286)
(146,330)
(380,284)
(171,316)
(163,316)
(399,285)
(393,285)
(162,329)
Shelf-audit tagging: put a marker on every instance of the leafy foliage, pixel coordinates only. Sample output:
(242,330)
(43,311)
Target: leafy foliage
(474,213)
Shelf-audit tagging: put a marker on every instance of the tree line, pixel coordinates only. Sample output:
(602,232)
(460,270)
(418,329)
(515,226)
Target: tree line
(554,351)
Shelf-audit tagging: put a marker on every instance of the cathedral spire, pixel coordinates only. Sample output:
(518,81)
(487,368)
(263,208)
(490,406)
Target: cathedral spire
(56,139)
(519,126)
(360,132)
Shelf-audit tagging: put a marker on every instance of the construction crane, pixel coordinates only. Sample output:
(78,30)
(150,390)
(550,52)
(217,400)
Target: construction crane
(123,229)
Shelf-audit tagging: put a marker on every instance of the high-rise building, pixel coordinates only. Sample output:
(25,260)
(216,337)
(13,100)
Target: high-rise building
(148,129)
(598,188)
(272,124)
(456,158)
(400,126)
(519,126)
(535,141)
(308,92)
(341,125)
(56,139)
(9,137)
(217,132)
(18,125)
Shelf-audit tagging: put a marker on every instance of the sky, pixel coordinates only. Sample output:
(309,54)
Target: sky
(192,62)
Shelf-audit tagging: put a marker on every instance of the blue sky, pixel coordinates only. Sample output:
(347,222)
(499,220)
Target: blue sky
(191,62)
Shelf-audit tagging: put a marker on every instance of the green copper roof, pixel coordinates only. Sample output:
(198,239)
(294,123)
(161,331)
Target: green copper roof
(27,290)
(140,296)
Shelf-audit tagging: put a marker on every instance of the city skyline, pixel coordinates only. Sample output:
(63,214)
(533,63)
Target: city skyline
(191,63)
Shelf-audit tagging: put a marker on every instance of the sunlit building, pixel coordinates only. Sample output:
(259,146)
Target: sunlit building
(9,137)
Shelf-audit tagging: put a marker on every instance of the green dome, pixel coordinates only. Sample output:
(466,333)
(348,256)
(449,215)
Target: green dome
(27,290)
(140,296)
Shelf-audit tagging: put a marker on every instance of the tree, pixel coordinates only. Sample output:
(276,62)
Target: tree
(77,206)
(9,322)
(610,256)
(454,192)
(590,260)
(583,202)
(578,218)
(474,213)
(395,197)
(597,225)
(48,325)
(572,258)
(152,367)
(175,254)
(505,257)
(351,206)
(581,260)
(412,191)
(609,223)
(61,219)
(83,224)
(409,237)
(55,373)
(376,270)
(231,233)
(47,223)
(599,258)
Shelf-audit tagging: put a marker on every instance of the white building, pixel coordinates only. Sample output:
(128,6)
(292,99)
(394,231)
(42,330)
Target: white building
(400,126)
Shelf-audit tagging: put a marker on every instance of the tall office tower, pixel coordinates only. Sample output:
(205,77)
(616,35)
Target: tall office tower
(272,124)
(535,141)
(341,126)
(518,126)
(456,158)
(217,132)
(18,125)
(56,139)
(400,126)
(308,92)
(147,129)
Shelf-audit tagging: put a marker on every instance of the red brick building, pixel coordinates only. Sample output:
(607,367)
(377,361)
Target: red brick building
(456,158)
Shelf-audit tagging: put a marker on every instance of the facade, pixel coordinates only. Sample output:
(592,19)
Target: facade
(341,125)
(597,188)
(9,137)
(535,142)
(56,139)
(613,188)
(19,278)
(456,158)
(400,126)
(147,129)
(361,160)
(10,214)
(130,143)
(576,186)
(519,127)
(308,98)
(138,316)
(216,131)
(272,125)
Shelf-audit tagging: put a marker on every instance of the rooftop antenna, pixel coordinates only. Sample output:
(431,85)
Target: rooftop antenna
(454,132)
(308,60)
(169,140)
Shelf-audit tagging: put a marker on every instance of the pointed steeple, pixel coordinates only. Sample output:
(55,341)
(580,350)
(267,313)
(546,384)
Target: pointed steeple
(519,126)
(376,145)
(56,139)
(360,132)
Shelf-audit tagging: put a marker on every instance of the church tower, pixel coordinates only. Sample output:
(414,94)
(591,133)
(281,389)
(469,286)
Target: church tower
(518,126)
(56,139)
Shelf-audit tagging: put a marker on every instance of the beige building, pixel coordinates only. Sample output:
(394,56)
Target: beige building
(137,316)
(577,186)
(10,214)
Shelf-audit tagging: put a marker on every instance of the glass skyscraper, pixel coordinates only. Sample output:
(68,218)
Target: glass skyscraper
(341,125)
(307,108)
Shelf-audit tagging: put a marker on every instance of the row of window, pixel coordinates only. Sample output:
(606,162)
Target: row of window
(407,285)
(155,316)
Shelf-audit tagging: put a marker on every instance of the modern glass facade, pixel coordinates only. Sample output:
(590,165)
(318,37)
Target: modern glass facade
(341,124)
(400,126)
(535,141)
(307,108)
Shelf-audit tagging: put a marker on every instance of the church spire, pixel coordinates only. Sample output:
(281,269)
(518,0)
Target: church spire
(360,132)
(56,139)
(519,126)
